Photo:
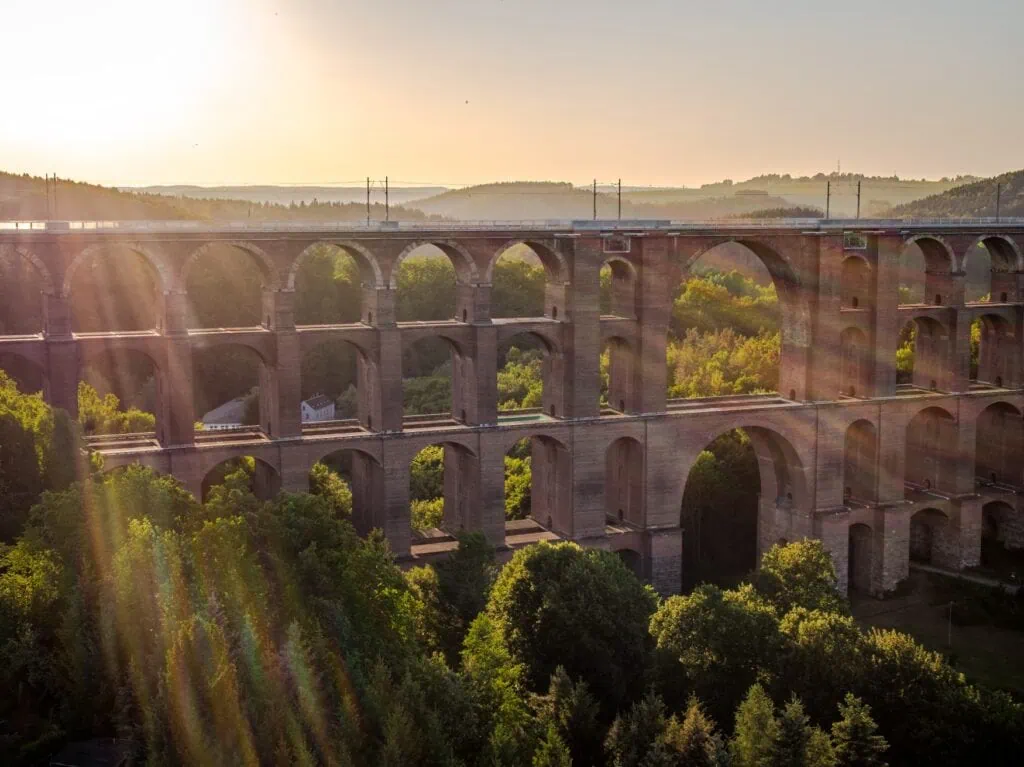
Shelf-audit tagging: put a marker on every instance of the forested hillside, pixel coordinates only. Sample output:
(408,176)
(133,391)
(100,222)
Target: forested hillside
(976,199)
(25,198)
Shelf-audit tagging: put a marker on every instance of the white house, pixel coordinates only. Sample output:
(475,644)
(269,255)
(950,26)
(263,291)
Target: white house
(319,407)
(226,416)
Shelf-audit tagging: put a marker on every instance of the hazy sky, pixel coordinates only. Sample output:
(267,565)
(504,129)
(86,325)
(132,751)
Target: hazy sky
(460,91)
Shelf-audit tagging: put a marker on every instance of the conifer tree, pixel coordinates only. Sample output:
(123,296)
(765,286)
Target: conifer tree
(756,732)
(552,751)
(857,744)
(693,740)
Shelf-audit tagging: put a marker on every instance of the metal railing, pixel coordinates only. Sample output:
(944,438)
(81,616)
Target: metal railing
(553,225)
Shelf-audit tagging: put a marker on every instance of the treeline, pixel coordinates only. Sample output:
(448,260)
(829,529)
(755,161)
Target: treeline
(977,199)
(24,198)
(245,632)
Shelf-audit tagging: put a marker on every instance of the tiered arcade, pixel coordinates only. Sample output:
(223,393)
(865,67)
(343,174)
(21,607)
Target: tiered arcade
(877,472)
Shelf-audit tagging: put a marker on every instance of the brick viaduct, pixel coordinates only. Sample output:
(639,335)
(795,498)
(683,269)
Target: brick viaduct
(874,470)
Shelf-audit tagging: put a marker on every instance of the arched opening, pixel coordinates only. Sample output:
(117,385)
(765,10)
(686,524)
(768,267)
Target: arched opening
(244,472)
(525,365)
(121,392)
(926,273)
(860,463)
(353,481)
(230,381)
(922,355)
(931,451)
(999,446)
(21,294)
(443,490)
(735,504)
(428,378)
(550,483)
(857,291)
(331,383)
(994,352)
(855,364)
(329,283)
(226,285)
(632,560)
(624,483)
(738,312)
(933,540)
(859,559)
(1002,539)
(432,283)
(115,289)
(26,374)
(520,278)
(618,288)
(990,268)
(619,376)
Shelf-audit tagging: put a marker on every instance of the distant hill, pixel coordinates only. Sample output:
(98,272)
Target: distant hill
(524,200)
(287,195)
(24,198)
(972,200)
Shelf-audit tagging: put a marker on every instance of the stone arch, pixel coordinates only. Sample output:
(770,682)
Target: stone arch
(332,366)
(623,371)
(369,268)
(1002,532)
(460,483)
(855,363)
(465,267)
(860,575)
(551,490)
(999,445)
(164,278)
(933,539)
(265,483)
(1005,253)
(794,307)
(855,283)
(238,355)
(362,470)
(268,269)
(931,349)
(931,450)
(45,277)
(633,560)
(26,368)
(624,482)
(623,288)
(555,267)
(940,264)
(998,354)
(860,462)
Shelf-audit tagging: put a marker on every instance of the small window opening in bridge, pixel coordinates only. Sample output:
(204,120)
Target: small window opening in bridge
(465,315)
(853,302)
(554,312)
(268,321)
(462,415)
(1003,298)
(927,484)
(994,476)
(847,492)
(622,406)
(792,394)
(552,411)
(853,391)
(933,385)
(369,422)
(999,381)
(622,514)
(938,299)
(369,318)
(789,496)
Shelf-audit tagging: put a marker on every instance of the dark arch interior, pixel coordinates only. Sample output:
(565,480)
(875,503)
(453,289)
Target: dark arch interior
(524,282)
(860,559)
(857,290)
(332,369)
(932,540)
(441,489)
(228,379)
(618,289)
(524,370)
(134,379)
(328,286)
(860,464)
(921,354)
(618,367)
(115,289)
(259,477)
(624,483)
(1002,540)
(27,376)
(428,378)
(225,288)
(999,445)
(924,265)
(426,286)
(930,461)
(353,482)
(21,295)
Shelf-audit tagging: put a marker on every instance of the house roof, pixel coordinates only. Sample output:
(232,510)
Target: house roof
(319,401)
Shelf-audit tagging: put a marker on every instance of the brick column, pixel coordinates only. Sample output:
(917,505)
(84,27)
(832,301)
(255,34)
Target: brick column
(378,306)
(393,515)
(827,323)
(970,518)
(894,562)
(666,561)
(61,384)
(957,370)
(583,333)
(176,395)
(491,496)
(886,318)
(389,378)
(281,379)
(834,533)
(654,310)
(480,382)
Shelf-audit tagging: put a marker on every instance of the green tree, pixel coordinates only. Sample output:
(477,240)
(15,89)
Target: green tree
(793,736)
(552,751)
(855,737)
(636,739)
(799,574)
(572,711)
(326,482)
(562,605)
(693,740)
(757,731)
